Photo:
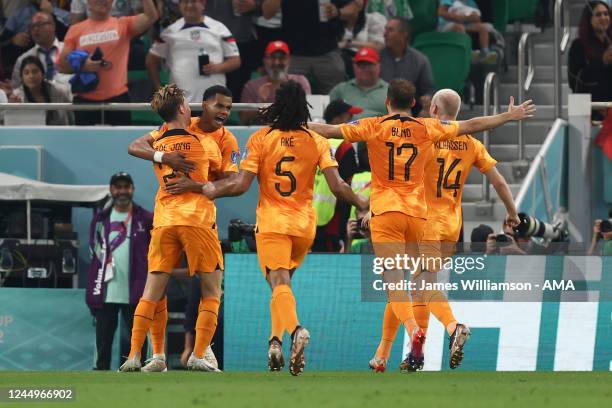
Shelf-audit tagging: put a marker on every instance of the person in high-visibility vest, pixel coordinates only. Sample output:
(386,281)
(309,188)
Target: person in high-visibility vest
(332,215)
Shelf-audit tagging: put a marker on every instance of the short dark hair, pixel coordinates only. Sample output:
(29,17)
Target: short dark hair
(401,93)
(216,90)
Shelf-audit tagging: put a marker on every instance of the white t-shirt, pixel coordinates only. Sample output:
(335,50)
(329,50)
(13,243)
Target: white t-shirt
(372,31)
(180,46)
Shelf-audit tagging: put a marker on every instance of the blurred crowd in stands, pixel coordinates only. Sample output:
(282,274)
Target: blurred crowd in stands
(90,50)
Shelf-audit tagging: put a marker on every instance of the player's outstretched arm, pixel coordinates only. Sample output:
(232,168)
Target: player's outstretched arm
(229,187)
(343,191)
(503,191)
(325,130)
(143,149)
(523,111)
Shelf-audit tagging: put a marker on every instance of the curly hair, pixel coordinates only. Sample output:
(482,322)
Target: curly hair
(289,110)
(167,100)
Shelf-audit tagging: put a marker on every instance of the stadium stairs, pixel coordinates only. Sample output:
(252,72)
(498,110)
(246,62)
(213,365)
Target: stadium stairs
(503,141)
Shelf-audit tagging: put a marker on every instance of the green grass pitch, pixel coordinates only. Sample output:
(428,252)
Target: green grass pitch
(320,389)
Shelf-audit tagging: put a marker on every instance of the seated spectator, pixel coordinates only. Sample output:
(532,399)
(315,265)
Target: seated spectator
(398,60)
(46,47)
(36,89)
(464,16)
(590,55)
(391,8)
(277,60)
(313,37)
(198,50)
(120,8)
(101,35)
(367,90)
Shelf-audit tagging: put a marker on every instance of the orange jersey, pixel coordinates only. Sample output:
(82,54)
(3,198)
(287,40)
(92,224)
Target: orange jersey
(228,145)
(445,176)
(285,163)
(399,148)
(192,209)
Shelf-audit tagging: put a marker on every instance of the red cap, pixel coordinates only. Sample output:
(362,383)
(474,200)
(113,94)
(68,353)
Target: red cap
(367,55)
(274,46)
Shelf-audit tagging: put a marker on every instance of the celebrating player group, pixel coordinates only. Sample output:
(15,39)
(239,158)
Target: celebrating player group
(419,167)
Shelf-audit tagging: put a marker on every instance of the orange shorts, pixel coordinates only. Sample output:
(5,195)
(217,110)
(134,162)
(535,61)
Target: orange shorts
(280,251)
(201,245)
(396,233)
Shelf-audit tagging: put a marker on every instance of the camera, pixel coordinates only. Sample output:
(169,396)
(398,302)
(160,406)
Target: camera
(533,227)
(237,230)
(359,233)
(503,240)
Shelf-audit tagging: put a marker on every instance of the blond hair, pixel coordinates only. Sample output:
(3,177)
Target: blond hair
(167,100)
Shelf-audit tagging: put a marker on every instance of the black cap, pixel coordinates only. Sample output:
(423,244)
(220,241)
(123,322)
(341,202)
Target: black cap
(338,107)
(122,175)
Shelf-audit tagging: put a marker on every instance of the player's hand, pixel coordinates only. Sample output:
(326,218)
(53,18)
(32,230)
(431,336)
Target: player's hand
(183,185)
(209,190)
(363,202)
(365,221)
(512,220)
(177,161)
(523,111)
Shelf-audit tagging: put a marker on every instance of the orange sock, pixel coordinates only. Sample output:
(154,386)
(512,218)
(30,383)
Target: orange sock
(205,325)
(421,314)
(440,308)
(158,327)
(284,303)
(389,330)
(277,325)
(143,317)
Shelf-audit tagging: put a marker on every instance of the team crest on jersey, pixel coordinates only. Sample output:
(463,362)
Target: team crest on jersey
(234,157)
(195,35)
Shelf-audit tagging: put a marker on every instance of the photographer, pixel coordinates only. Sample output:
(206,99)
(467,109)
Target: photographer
(506,243)
(358,237)
(602,229)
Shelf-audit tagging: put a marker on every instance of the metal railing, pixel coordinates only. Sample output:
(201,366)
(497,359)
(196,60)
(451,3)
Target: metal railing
(104,107)
(491,85)
(525,51)
(562,37)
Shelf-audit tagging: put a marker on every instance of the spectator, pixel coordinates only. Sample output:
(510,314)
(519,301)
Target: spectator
(15,38)
(46,47)
(238,15)
(277,59)
(358,237)
(332,214)
(198,50)
(602,229)
(111,35)
(313,37)
(399,60)
(367,90)
(391,8)
(590,55)
(120,8)
(35,88)
(119,242)
(362,31)
(464,16)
